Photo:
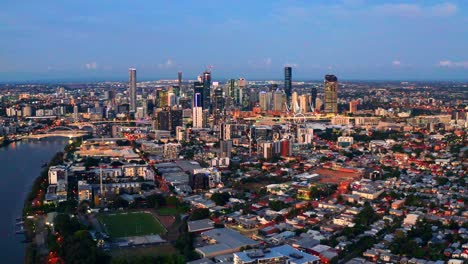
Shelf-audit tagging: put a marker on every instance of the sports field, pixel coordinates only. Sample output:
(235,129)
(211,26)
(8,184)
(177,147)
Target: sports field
(130,224)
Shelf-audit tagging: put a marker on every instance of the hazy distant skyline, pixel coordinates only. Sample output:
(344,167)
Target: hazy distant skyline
(353,39)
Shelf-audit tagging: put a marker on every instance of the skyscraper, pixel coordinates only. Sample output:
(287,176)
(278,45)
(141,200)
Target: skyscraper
(304,104)
(331,94)
(288,82)
(163,120)
(198,88)
(132,89)
(179,84)
(278,101)
(232,87)
(314,98)
(197,110)
(161,98)
(241,92)
(295,103)
(206,90)
(179,79)
(218,99)
(265,99)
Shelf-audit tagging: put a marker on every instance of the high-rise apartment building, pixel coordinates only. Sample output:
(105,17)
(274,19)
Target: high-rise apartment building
(232,84)
(288,82)
(179,79)
(353,106)
(225,148)
(304,104)
(279,101)
(171,99)
(75,113)
(218,99)
(240,96)
(198,88)
(265,100)
(207,90)
(313,98)
(197,111)
(162,98)
(169,119)
(132,89)
(163,120)
(331,94)
(295,103)
(225,131)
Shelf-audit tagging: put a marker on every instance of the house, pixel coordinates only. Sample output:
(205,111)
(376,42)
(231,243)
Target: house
(280,254)
(410,220)
(199,226)
(223,241)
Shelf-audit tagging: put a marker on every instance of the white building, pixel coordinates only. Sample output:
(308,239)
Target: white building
(197,117)
(58,174)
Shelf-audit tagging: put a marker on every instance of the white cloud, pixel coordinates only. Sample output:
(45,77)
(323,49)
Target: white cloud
(352,2)
(415,10)
(445,9)
(91,65)
(262,63)
(294,65)
(168,64)
(396,63)
(453,64)
(398,9)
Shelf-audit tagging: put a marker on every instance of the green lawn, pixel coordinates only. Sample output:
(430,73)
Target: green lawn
(130,224)
(168,211)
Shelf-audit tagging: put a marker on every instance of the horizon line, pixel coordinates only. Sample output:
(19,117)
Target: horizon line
(101,80)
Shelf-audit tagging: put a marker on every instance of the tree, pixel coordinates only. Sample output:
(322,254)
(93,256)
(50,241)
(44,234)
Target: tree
(277,205)
(442,180)
(80,248)
(279,219)
(220,198)
(397,148)
(156,200)
(91,162)
(366,217)
(200,213)
(412,200)
(185,244)
(65,225)
(172,200)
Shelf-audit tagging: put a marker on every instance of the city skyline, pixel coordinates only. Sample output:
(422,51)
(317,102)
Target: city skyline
(368,40)
(288,131)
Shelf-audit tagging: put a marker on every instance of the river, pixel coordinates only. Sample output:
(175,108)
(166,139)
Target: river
(20,164)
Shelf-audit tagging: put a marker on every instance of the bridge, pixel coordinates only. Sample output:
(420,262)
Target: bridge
(294,118)
(92,124)
(58,132)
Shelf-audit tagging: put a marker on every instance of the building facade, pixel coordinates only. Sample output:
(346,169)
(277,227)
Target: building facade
(331,94)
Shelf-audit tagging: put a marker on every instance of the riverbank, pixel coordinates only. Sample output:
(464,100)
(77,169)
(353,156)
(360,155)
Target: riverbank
(35,208)
(5,142)
(21,163)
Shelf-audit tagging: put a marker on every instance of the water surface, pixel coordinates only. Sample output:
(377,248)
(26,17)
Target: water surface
(20,164)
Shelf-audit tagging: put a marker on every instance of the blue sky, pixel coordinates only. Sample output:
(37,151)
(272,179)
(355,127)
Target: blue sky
(354,39)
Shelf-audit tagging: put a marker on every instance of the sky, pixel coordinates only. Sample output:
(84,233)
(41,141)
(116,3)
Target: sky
(353,39)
